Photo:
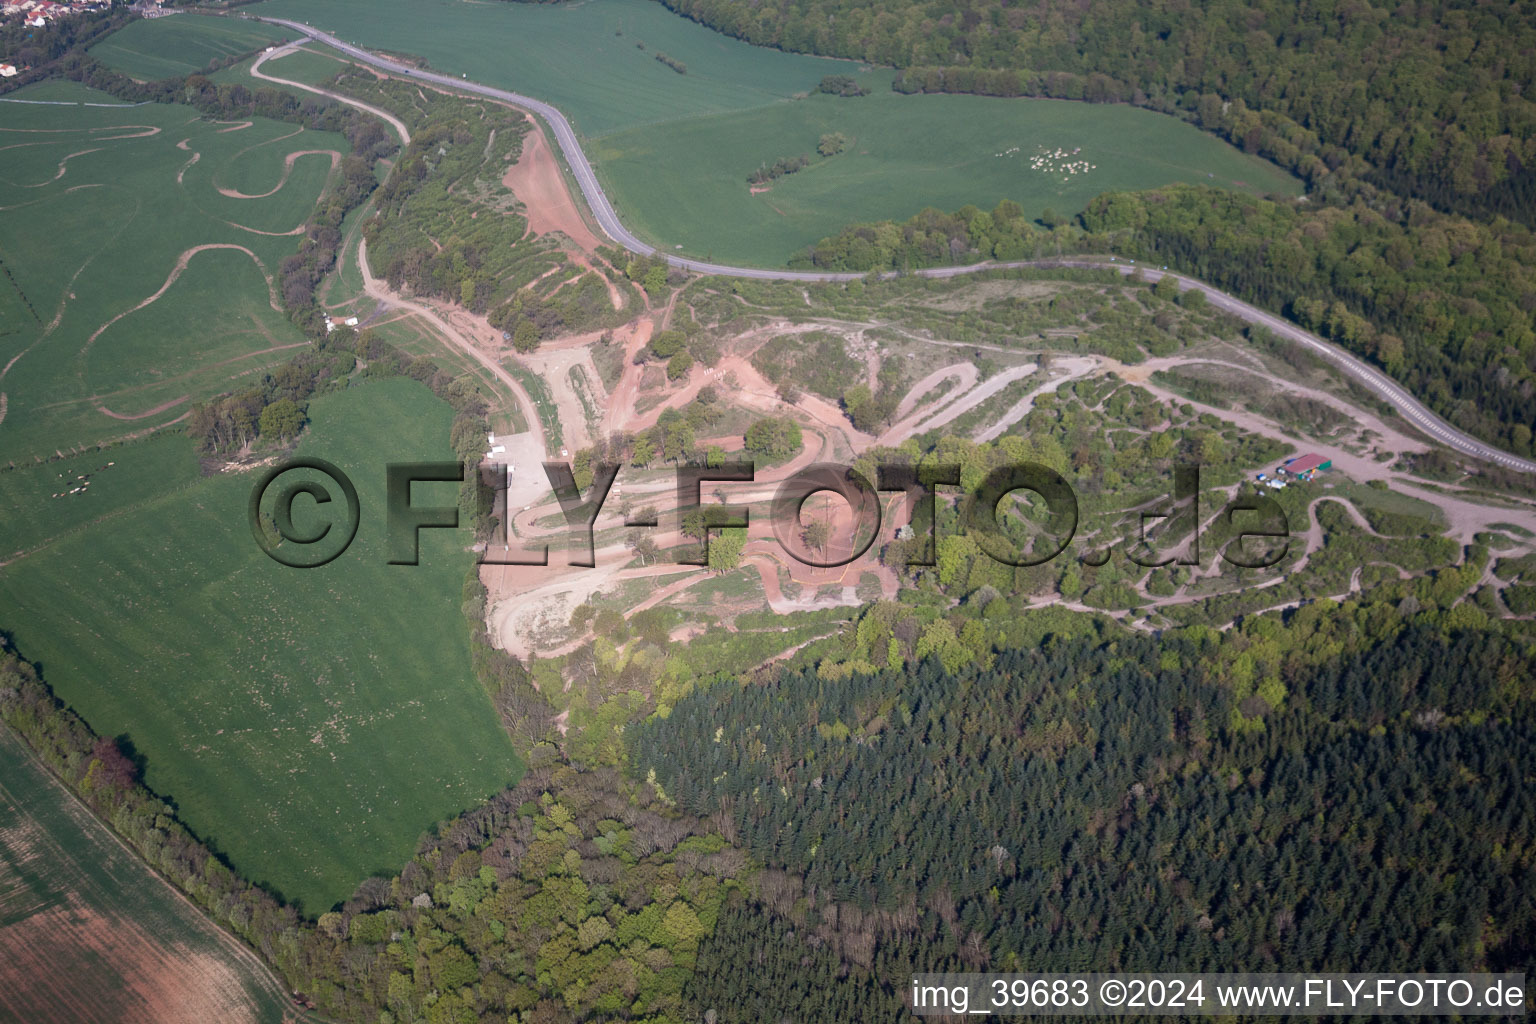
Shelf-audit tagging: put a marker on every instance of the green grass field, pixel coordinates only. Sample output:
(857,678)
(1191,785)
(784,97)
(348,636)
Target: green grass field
(684,183)
(107,931)
(309,723)
(158,48)
(37,507)
(99,207)
(674,150)
(614,85)
(312,64)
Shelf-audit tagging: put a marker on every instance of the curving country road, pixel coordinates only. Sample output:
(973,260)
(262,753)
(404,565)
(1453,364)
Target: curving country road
(1374,380)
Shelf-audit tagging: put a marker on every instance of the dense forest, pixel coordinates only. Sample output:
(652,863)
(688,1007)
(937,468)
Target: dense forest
(1432,98)
(1086,805)
(783,847)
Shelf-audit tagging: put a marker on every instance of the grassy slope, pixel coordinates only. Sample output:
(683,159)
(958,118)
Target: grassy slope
(611,85)
(167,47)
(685,183)
(55,855)
(88,254)
(310,723)
(675,149)
(119,479)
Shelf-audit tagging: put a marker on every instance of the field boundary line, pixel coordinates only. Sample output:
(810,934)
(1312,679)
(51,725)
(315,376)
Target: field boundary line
(239,946)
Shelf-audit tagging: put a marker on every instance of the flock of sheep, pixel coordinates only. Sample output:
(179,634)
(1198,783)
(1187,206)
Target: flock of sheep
(1054,161)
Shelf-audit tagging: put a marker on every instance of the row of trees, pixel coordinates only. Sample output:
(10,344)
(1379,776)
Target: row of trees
(931,238)
(273,409)
(672,62)
(841,85)
(778,169)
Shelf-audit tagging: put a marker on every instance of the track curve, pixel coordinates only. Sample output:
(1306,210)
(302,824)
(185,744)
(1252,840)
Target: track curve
(1384,387)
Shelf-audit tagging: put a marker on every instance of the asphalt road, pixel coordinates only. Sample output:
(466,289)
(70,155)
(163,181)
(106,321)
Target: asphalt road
(608,220)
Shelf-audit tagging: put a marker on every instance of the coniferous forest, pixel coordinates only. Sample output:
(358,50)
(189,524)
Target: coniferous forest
(1086,806)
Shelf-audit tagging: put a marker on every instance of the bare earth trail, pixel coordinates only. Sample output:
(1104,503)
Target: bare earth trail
(607,219)
(964,373)
(288,163)
(181,265)
(173,403)
(958,404)
(1063,370)
(379,290)
(394,122)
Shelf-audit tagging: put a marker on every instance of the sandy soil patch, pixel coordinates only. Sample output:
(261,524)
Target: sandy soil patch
(538,184)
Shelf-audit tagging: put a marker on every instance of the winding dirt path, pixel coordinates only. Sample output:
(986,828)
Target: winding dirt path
(64,166)
(381,291)
(288,163)
(173,403)
(955,405)
(394,122)
(196,156)
(1074,368)
(181,265)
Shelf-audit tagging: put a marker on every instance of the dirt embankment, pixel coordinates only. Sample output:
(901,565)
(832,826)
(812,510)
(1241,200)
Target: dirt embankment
(540,186)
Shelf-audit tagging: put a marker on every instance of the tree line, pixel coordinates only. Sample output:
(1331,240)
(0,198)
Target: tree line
(1427,100)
